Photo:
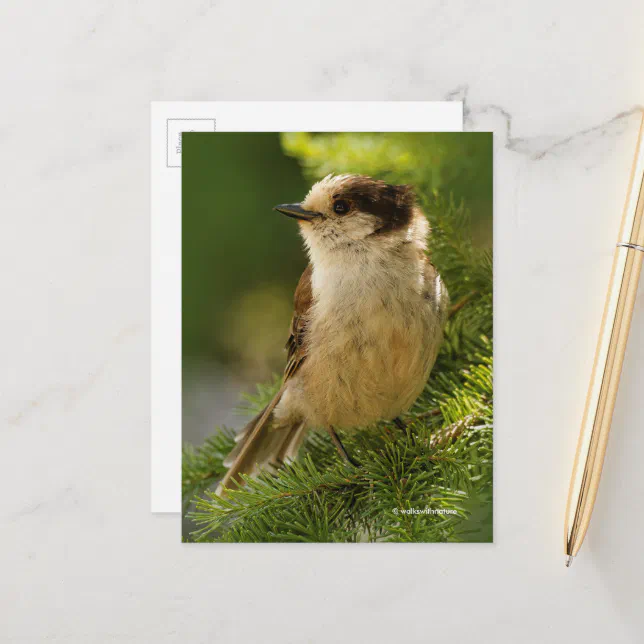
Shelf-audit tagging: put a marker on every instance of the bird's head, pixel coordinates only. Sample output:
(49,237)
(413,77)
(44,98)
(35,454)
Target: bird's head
(352,211)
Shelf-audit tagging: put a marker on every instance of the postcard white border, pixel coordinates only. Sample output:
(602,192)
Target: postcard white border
(165,413)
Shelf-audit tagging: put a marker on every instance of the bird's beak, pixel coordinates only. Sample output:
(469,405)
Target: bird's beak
(297,212)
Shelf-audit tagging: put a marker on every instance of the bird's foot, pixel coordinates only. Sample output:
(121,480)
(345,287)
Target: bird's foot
(340,447)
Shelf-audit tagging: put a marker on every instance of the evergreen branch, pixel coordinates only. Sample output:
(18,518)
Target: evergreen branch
(202,467)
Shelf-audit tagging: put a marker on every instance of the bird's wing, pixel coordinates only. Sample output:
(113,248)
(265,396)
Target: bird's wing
(436,291)
(302,303)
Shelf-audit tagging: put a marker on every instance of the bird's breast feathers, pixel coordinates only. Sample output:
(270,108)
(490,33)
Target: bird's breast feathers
(372,338)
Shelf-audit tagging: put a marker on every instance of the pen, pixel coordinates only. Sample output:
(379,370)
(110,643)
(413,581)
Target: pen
(609,357)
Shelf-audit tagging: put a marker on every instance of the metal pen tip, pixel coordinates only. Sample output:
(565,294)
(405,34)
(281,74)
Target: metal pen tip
(569,560)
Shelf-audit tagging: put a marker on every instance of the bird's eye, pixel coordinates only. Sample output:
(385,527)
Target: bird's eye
(341,207)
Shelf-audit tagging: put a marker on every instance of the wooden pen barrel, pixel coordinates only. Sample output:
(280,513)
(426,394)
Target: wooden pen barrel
(600,402)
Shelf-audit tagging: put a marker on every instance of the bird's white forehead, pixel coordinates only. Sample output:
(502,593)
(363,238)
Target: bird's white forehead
(321,194)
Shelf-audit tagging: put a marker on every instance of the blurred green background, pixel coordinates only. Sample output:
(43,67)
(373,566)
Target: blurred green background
(241,260)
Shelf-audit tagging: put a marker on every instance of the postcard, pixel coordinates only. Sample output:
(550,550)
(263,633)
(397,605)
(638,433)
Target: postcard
(336,331)
(169,120)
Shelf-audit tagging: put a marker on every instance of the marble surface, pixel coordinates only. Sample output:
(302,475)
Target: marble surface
(82,558)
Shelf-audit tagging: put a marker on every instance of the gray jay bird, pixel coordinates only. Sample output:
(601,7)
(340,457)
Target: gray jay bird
(367,324)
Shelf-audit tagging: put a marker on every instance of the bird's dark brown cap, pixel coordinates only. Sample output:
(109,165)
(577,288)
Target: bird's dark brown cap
(392,204)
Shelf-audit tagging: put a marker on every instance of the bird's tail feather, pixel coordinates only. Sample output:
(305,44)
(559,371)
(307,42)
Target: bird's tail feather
(262,443)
